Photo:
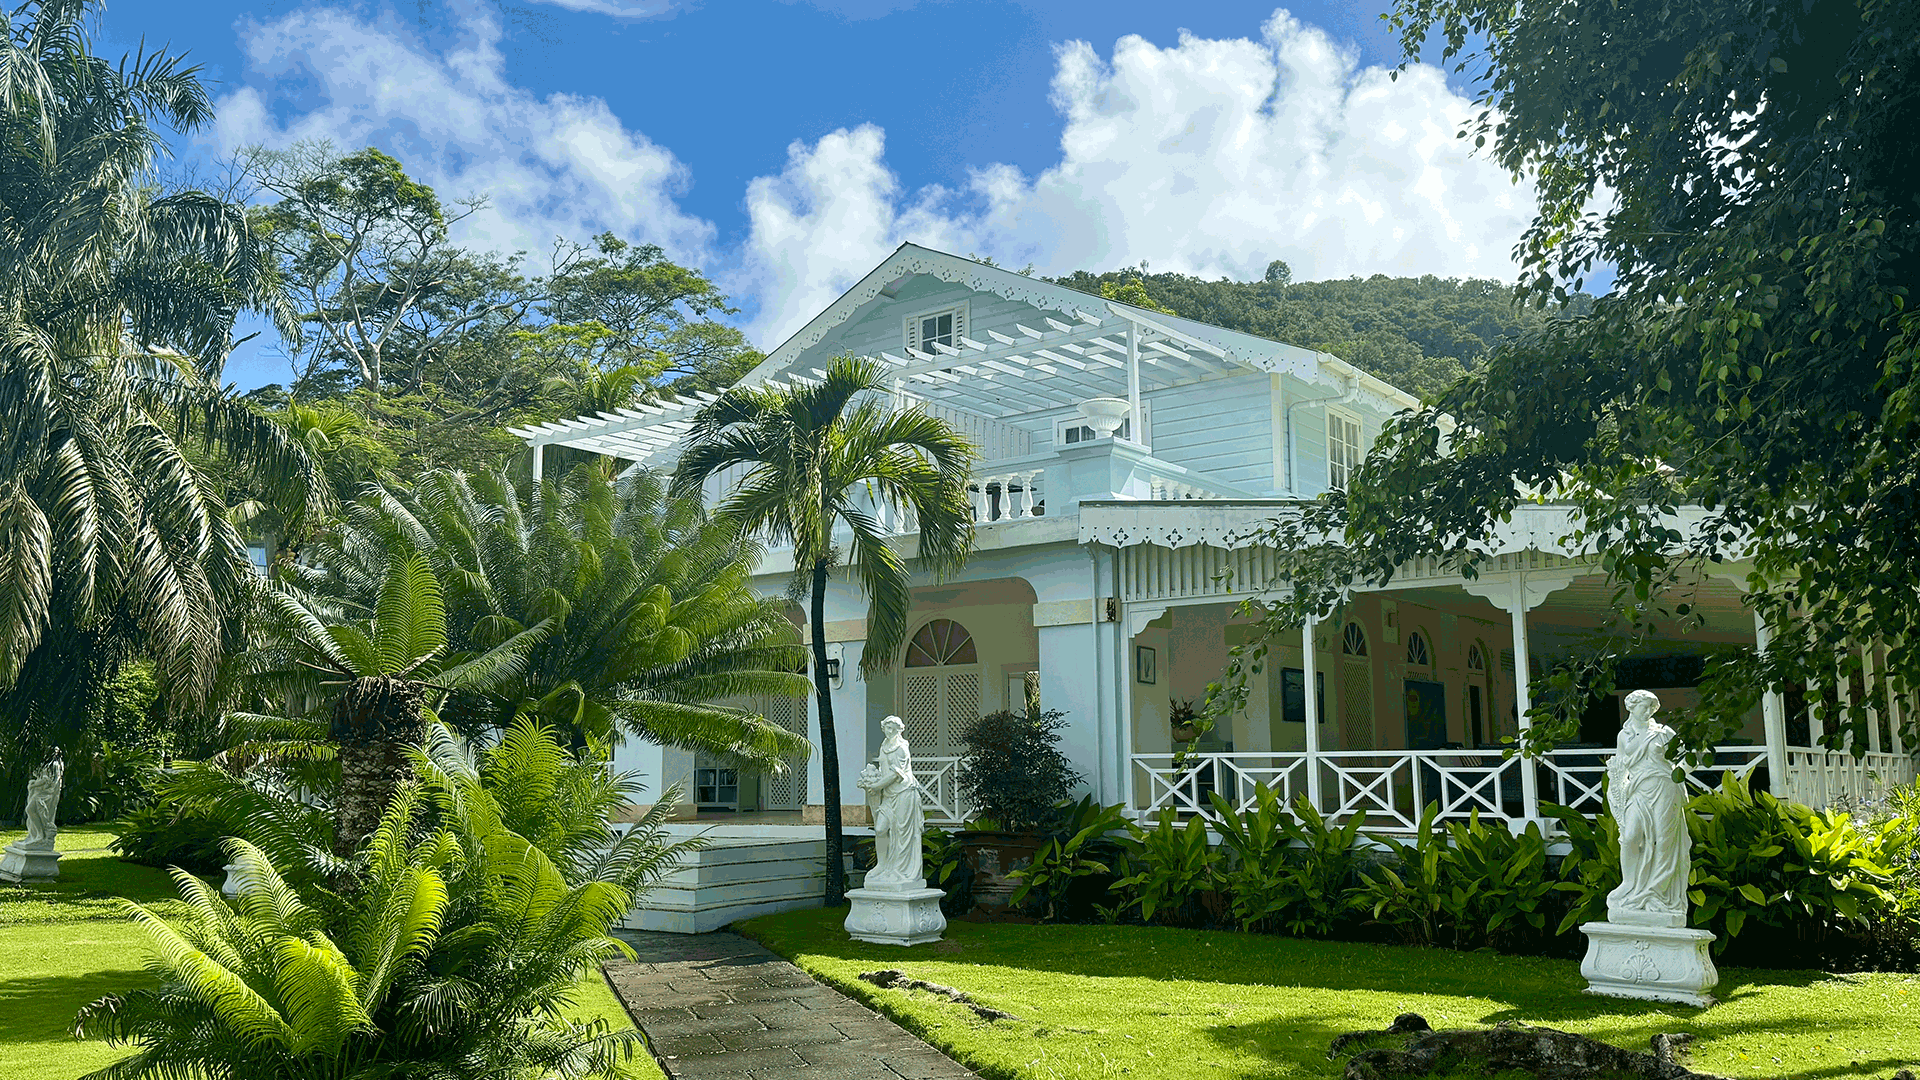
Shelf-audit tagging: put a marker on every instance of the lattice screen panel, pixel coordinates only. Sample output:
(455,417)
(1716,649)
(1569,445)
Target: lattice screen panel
(962,708)
(1356,706)
(922,711)
(788,790)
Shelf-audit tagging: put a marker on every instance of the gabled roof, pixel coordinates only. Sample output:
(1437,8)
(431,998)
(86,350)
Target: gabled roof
(1057,362)
(1241,349)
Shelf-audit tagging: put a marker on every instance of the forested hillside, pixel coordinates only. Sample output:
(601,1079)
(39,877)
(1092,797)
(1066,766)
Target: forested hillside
(1419,334)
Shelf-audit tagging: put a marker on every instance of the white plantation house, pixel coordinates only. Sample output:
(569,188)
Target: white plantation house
(1110,565)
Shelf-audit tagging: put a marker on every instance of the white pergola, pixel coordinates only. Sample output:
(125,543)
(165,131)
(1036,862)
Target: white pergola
(1046,363)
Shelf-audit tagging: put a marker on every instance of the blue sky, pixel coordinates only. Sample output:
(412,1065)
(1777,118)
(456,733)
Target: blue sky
(787,145)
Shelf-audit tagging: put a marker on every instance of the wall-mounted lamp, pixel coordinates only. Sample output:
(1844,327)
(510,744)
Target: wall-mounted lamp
(833,669)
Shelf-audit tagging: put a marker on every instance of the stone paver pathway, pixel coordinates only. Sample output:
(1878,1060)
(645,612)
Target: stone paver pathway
(720,1007)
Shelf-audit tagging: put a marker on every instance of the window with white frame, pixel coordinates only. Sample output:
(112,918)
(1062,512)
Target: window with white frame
(1073,429)
(1343,449)
(945,326)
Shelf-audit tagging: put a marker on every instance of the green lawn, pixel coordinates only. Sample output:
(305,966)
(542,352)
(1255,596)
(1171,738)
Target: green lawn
(1100,1001)
(63,944)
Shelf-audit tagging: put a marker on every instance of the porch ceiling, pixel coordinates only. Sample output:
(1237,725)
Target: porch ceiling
(1587,600)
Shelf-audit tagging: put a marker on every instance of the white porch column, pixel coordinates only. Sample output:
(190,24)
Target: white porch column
(1313,715)
(539,460)
(1517,592)
(1522,702)
(1773,718)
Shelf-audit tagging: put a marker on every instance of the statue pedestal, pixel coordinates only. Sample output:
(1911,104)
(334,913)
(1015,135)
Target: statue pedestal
(1652,963)
(23,863)
(896,915)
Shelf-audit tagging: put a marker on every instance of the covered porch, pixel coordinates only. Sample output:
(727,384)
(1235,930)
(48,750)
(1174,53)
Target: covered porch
(1419,688)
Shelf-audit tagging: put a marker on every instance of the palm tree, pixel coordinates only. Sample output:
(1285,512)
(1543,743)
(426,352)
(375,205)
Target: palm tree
(116,309)
(452,957)
(390,672)
(652,621)
(811,453)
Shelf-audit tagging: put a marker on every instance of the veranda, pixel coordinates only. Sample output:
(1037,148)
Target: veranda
(1420,687)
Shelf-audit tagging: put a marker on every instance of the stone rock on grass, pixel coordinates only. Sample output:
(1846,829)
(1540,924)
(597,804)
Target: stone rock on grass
(1546,1053)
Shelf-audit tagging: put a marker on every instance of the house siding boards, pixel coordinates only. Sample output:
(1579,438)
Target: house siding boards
(1221,427)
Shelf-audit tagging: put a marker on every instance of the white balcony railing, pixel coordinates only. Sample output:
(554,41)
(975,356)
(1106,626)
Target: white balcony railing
(940,790)
(1393,787)
(1820,778)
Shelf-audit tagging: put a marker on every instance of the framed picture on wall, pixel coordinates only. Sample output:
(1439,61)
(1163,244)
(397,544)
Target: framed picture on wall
(1293,694)
(1146,664)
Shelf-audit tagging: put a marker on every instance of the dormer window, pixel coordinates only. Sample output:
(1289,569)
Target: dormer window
(1343,449)
(945,326)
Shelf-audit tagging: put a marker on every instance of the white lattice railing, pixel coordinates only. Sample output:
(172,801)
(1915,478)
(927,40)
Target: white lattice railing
(940,790)
(1184,787)
(1393,787)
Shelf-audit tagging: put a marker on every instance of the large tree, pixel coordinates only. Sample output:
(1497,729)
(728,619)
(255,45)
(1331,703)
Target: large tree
(117,299)
(822,457)
(1747,168)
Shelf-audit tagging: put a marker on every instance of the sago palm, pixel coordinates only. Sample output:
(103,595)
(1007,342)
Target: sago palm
(384,674)
(653,626)
(451,958)
(116,306)
(822,457)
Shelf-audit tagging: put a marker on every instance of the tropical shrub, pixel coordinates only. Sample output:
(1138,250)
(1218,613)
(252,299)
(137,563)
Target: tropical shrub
(1591,867)
(167,833)
(944,864)
(1404,890)
(1806,877)
(1171,865)
(1287,870)
(1081,850)
(1013,772)
(450,955)
(1500,890)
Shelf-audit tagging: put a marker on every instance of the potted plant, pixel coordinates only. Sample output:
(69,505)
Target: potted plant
(1180,717)
(1012,776)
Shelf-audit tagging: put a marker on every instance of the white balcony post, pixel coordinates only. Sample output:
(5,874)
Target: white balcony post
(1313,715)
(1133,383)
(1773,718)
(539,461)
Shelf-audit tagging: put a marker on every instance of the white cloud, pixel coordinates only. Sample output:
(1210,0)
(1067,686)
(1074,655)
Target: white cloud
(639,9)
(1209,158)
(562,165)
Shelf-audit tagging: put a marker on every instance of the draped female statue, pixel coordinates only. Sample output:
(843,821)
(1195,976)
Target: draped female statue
(43,800)
(898,819)
(1649,806)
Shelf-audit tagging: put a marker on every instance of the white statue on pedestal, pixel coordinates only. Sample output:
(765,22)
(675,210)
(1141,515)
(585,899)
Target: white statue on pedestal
(33,856)
(1644,949)
(898,817)
(894,905)
(1650,808)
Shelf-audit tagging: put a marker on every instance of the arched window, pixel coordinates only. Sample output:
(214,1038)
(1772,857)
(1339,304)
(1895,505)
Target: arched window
(1476,660)
(1418,655)
(1353,640)
(940,643)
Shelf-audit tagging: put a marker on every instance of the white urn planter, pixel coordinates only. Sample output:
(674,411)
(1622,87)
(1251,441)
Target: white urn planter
(1105,414)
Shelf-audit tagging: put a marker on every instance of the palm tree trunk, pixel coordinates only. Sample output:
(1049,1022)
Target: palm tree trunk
(374,722)
(829,743)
